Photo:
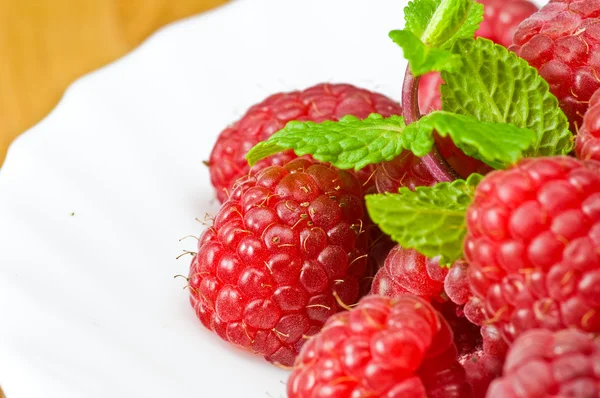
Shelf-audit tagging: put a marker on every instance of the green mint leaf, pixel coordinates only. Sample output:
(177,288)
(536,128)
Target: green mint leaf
(469,27)
(349,143)
(432,27)
(494,85)
(497,144)
(430,220)
(421,58)
(439,23)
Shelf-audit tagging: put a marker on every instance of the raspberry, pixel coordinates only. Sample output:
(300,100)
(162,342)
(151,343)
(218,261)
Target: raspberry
(587,142)
(384,285)
(545,364)
(385,347)
(481,370)
(533,245)
(408,269)
(562,41)
(493,343)
(318,103)
(406,170)
(484,364)
(500,22)
(467,336)
(481,350)
(287,244)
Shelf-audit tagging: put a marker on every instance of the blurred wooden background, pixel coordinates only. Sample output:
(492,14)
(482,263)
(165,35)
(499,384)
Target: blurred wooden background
(46,44)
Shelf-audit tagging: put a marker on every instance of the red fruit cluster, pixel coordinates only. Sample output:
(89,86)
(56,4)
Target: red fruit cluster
(384,347)
(288,243)
(318,103)
(533,246)
(562,41)
(587,142)
(542,364)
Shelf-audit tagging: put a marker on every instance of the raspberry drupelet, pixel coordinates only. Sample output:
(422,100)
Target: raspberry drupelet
(384,347)
(286,246)
(587,141)
(533,246)
(562,41)
(545,364)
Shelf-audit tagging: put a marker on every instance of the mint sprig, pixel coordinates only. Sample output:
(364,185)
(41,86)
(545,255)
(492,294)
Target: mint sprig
(432,27)
(493,84)
(430,220)
(353,143)
(349,143)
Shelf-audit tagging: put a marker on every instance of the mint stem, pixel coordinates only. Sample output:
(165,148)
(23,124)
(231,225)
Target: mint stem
(434,162)
(410,97)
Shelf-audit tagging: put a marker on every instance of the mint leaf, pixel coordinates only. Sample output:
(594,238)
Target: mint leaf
(439,23)
(423,59)
(430,220)
(470,26)
(432,27)
(355,143)
(497,144)
(494,85)
(349,143)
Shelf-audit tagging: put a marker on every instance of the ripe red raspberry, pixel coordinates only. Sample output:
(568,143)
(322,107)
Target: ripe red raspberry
(408,269)
(545,364)
(484,364)
(499,24)
(467,336)
(481,351)
(587,142)
(286,243)
(408,272)
(533,246)
(384,285)
(318,103)
(406,170)
(481,370)
(405,271)
(384,347)
(562,41)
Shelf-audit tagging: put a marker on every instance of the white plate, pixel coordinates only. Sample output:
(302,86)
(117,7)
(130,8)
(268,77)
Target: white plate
(94,198)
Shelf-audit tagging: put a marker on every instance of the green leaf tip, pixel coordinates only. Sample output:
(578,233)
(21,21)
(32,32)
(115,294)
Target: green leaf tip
(423,59)
(430,220)
(494,85)
(497,144)
(439,23)
(432,27)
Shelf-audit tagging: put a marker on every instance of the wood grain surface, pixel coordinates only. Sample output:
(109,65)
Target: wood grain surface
(46,44)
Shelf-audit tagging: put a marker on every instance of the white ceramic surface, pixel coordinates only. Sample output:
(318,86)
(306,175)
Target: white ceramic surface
(94,198)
